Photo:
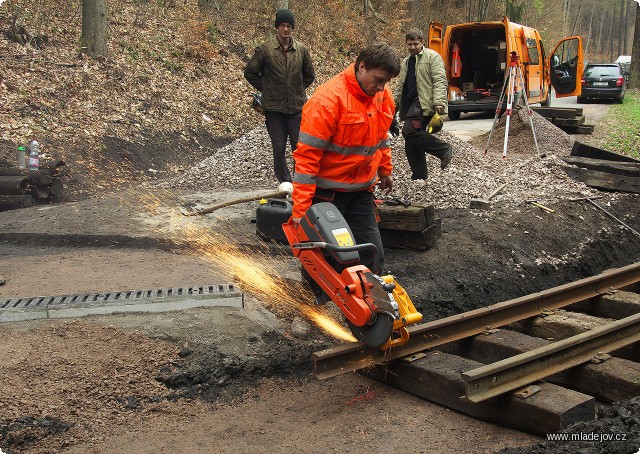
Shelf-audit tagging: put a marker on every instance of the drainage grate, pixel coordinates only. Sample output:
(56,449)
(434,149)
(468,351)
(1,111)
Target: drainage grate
(149,300)
(219,290)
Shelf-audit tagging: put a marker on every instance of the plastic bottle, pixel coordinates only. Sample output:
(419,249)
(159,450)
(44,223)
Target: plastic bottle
(22,157)
(34,155)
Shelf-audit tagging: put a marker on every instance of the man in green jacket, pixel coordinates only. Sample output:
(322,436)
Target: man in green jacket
(420,93)
(281,69)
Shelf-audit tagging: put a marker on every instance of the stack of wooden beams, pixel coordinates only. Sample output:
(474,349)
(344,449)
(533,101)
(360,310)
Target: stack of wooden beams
(21,188)
(569,119)
(413,227)
(603,169)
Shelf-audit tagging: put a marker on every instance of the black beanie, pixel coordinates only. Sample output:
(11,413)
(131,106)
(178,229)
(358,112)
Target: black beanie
(284,16)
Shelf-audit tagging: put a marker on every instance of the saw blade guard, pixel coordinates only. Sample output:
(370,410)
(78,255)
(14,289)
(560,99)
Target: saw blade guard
(324,244)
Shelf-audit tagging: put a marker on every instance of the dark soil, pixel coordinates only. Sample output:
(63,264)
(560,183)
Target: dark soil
(482,257)
(163,152)
(212,374)
(485,257)
(618,426)
(21,432)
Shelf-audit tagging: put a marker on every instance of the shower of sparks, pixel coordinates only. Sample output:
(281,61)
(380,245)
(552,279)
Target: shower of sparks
(252,268)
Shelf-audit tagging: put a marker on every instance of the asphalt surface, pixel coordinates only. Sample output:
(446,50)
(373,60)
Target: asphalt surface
(474,124)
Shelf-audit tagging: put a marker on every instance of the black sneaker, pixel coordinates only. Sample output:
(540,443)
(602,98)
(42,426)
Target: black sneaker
(446,159)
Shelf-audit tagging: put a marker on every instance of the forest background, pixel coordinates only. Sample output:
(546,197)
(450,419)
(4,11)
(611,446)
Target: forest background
(168,85)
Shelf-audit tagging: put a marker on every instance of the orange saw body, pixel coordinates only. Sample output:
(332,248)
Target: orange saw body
(377,309)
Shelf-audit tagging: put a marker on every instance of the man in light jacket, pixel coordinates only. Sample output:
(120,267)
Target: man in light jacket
(421,91)
(281,69)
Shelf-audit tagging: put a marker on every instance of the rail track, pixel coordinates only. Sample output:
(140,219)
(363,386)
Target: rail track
(536,363)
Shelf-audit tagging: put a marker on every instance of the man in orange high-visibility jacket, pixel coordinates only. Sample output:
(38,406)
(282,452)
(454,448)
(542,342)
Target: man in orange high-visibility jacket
(344,146)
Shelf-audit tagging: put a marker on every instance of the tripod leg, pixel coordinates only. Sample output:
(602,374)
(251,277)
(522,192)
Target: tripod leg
(529,112)
(498,109)
(508,111)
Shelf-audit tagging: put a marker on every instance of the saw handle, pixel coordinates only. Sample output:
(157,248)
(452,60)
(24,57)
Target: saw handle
(336,248)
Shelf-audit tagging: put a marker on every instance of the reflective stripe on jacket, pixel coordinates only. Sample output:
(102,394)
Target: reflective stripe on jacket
(282,77)
(344,142)
(431,80)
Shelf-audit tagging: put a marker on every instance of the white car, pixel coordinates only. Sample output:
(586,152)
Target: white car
(625,63)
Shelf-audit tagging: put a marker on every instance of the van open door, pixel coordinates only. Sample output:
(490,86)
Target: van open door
(566,66)
(436,36)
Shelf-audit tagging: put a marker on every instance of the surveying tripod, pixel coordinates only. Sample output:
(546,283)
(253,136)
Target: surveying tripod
(514,79)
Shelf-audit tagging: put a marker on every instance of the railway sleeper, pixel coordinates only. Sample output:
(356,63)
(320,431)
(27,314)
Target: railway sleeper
(436,376)
(610,380)
(561,324)
(616,304)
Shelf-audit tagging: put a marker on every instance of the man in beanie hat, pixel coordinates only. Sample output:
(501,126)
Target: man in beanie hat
(281,69)
(284,16)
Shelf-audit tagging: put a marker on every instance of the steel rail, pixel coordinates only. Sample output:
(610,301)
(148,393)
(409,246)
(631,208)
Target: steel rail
(347,358)
(508,374)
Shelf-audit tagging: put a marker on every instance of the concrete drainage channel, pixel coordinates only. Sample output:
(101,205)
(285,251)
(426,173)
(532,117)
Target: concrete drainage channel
(151,300)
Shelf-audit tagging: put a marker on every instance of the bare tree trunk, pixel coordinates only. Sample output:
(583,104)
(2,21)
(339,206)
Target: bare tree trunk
(415,11)
(634,77)
(483,5)
(586,49)
(611,27)
(600,32)
(93,41)
(625,40)
(565,17)
(575,22)
(621,28)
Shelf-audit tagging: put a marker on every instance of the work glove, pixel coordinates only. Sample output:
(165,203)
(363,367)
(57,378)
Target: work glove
(435,125)
(256,102)
(394,129)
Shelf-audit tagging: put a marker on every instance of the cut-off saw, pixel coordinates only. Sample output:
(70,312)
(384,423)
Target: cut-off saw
(377,308)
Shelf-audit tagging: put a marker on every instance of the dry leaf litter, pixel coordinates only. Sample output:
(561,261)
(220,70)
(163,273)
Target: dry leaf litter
(171,86)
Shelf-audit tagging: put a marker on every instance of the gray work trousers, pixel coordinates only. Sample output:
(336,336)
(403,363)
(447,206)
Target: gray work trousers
(281,127)
(417,143)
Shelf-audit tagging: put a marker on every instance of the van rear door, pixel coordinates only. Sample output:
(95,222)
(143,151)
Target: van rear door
(436,37)
(533,65)
(565,67)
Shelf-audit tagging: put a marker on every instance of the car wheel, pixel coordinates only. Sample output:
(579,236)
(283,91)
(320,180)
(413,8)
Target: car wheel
(620,100)
(580,100)
(453,116)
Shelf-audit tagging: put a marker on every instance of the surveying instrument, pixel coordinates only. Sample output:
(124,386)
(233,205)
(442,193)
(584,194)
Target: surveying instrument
(513,80)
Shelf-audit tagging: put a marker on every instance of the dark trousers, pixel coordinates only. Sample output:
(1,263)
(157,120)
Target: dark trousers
(417,143)
(359,211)
(281,126)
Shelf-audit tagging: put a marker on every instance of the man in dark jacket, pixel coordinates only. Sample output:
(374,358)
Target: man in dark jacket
(281,69)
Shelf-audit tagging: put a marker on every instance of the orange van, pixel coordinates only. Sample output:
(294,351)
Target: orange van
(477,56)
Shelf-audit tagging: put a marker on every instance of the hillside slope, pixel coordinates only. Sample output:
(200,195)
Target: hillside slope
(171,90)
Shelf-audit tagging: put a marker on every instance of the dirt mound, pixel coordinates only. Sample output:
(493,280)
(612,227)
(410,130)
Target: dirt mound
(551,139)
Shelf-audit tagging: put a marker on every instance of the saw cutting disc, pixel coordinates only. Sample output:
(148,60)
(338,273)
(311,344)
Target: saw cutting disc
(377,333)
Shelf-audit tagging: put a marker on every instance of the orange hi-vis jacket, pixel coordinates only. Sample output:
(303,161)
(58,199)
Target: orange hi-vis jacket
(344,141)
